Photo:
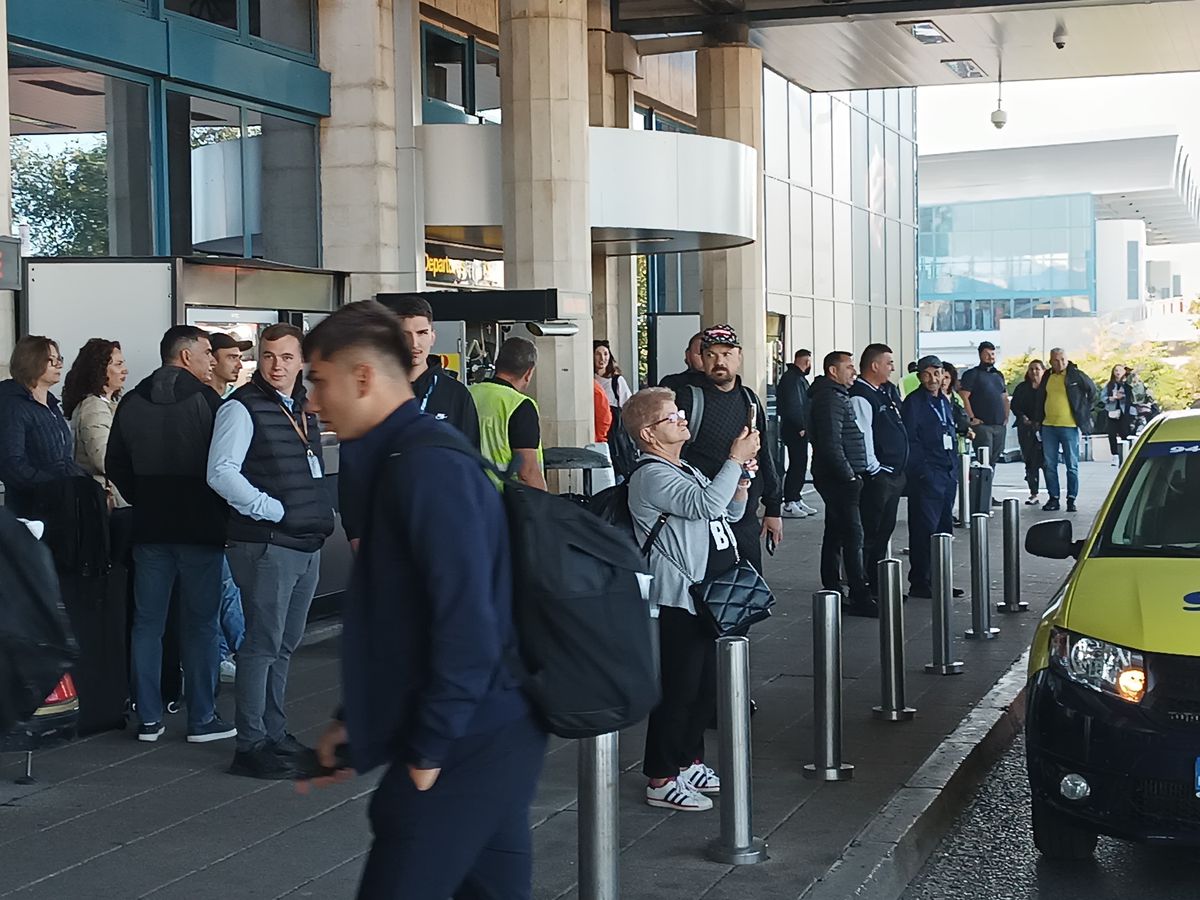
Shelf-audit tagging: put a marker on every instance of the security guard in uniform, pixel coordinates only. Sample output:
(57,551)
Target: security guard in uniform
(929,421)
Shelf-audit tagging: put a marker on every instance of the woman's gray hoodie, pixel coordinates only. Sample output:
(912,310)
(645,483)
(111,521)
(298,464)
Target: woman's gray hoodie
(679,556)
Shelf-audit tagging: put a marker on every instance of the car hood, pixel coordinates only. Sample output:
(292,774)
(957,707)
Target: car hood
(1138,603)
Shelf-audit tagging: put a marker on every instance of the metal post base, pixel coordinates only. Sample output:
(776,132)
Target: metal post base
(954,668)
(1021,607)
(989,634)
(27,778)
(893,715)
(740,856)
(844,772)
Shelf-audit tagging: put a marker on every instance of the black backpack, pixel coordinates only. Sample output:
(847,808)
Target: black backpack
(621,449)
(75,511)
(584,632)
(612,505)
(36,646)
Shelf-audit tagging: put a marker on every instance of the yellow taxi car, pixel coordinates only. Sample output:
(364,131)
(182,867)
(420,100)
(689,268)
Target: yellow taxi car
(1113,698)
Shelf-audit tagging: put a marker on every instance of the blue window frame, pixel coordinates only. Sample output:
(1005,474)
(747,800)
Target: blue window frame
(460,79)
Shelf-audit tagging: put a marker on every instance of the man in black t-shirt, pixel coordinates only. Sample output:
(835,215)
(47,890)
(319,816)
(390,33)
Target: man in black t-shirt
(719,417)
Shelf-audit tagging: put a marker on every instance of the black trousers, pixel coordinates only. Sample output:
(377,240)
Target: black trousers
(1120,427)
(878,506)
(748,532)
(793,481)
(688,653)
(1031,454)
(843,542)
(930,503)
(467,837)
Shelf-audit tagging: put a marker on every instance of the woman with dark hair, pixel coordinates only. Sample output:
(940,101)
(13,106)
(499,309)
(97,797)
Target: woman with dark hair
(35,439)
(90,394)
(1029,427)
(1118,407)
(608,375)
(962,422)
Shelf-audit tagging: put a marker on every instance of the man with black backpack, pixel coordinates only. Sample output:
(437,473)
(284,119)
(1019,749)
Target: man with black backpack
(428,627)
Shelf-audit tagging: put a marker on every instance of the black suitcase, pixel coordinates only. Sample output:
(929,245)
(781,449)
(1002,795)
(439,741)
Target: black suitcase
(981,488)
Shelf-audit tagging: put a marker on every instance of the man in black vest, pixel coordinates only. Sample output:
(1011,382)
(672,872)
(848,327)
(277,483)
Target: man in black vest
(265,461)
(876,403)
(839,466)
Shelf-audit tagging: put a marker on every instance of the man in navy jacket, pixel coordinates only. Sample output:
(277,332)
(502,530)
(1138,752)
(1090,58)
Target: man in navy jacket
(427,628)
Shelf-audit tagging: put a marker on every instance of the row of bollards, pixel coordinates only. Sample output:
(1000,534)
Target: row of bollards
(599,845)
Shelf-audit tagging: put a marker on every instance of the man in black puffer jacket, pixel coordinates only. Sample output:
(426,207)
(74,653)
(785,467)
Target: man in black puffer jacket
(839,464)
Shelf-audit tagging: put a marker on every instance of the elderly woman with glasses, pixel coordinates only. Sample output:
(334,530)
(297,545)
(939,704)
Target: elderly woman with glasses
(35,438)
(693,541)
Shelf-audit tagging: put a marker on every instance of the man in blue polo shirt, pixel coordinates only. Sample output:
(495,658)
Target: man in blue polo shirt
(985,399)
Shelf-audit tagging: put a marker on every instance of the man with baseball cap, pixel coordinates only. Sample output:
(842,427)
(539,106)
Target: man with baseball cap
(227,351)
(929,420)
(718,407)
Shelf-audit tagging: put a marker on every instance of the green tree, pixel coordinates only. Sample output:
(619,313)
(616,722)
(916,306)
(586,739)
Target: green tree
(63,196)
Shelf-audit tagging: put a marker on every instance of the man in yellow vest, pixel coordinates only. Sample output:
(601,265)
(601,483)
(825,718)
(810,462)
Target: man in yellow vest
(509,428)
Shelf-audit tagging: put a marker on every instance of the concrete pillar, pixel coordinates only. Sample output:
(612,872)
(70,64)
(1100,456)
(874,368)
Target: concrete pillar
(410,171)
(8,316)
(547,236)
(359,197)
(729,105)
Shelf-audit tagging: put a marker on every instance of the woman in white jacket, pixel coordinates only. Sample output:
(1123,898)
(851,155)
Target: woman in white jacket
(693,542)
(90,394)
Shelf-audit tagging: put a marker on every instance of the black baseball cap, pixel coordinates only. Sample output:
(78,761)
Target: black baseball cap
(928,362)
(222,341)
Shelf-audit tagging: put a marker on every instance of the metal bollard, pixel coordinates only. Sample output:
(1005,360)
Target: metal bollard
(943,592)
(827,690)
(985,456)
(737,844)
(1012,558)
(1085,448)
(892,707)
(599,845)
(1122,450)
(964,489)
(981,582)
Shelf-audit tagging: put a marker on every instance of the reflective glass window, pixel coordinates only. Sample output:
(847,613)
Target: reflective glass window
(286,22)
(800,135)
(487,84)
(778,242)
(892,248)
(891,108)
(843,271)
(908,185)
(908,123)
(218,12)
(841,151)
(802,242)
(822,243)
(822,143)
(858,159)
(282,197)
(445,60)
(775,124)
(876,168)
(892,173)
(878,260)
(204,166)
(80,157)
(860,255)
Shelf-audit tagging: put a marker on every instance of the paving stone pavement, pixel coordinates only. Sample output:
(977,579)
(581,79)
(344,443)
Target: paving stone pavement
(112,818)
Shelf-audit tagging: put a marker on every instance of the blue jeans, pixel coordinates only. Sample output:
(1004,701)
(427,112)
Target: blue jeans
(233,621)
(1061,441)
(198,570)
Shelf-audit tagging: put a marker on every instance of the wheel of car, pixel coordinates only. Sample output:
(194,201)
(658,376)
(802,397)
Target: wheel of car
(1058,837)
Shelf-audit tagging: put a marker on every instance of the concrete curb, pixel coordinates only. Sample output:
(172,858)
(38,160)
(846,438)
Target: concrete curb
(320,631)
(889,852)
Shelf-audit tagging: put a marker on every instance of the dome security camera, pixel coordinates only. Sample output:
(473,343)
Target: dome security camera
(1060,36)
(999,118)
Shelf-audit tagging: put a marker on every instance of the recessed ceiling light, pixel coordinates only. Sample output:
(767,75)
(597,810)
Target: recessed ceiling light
(926,32)
(964,68)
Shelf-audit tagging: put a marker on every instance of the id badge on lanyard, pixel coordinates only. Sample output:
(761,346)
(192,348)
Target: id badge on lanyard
(314,464)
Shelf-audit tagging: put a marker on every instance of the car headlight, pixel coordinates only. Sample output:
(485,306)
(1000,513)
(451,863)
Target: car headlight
(1104,667)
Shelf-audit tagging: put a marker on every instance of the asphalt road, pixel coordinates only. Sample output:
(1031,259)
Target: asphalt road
(989,855)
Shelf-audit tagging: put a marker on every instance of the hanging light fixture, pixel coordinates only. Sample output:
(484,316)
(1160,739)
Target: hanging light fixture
(999,116)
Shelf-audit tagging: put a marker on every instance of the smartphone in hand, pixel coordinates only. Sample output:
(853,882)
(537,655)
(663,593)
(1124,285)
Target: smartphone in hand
(752,418)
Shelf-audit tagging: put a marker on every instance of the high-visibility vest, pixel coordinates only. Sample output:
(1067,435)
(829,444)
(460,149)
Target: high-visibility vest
(495,404)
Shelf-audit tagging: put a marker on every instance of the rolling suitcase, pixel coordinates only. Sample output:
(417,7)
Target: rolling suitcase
(981,488)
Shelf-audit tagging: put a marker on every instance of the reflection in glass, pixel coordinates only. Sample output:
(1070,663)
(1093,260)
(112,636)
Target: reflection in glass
(799,135)
(822,143)
(282,196)
(204,168)
(444,64)
(487,84)
(802,242)
(286,22)
(219,12)
(775,124)
(778,230)
(80,157)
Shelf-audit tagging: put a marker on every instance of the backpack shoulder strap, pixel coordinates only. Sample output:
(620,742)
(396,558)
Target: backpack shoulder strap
(696,413)
(662,518)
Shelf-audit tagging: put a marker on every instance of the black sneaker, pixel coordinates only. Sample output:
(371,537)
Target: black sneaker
(868,609)
(1052,505)
(261,762)
(1071,505)
(289,746)
(215,729)
(151,731)
(920,591)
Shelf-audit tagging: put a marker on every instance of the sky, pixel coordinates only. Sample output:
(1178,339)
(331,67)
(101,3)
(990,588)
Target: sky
(957,118)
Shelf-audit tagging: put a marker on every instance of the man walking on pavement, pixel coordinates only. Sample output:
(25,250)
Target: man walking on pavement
(426,684)
(265,461)
(985,398)
(693,359)
(932,460)
(792,401)
(839,467)
(718,407)
(1064,402)
(876,403)
(510,431)
(157,451)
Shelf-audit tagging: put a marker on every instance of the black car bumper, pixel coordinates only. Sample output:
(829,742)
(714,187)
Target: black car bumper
(1141,765)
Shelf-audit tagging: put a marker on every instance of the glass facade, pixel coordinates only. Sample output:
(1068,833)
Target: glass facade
(115,156)
(982,262)
(460,79)
(840,216)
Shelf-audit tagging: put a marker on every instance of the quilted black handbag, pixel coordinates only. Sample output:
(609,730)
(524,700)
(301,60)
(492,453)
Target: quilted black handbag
(734,600)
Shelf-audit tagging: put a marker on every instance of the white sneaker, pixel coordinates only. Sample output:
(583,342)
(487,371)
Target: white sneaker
(805,508)
(792,510)
(677,794)
(701,778)
(228,671)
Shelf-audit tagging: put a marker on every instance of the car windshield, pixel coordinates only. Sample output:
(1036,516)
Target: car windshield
(1157,511)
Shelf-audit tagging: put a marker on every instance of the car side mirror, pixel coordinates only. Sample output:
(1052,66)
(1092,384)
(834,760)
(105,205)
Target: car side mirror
(1053,540)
